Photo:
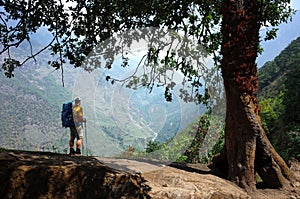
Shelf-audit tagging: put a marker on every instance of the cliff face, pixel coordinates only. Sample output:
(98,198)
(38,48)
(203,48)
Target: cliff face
(39,175)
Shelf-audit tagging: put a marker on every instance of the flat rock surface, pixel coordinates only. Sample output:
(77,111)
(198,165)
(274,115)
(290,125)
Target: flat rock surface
(170,180)
(166,181)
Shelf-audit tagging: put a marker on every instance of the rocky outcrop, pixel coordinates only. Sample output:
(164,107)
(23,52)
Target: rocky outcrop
(47,175)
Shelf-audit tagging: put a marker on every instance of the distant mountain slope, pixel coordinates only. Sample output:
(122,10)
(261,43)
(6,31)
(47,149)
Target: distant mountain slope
(287,32)
(272,74)
(279,83)
(29,113)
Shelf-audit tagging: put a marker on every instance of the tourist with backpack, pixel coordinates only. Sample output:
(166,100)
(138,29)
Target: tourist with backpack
(72,117)
(77,130)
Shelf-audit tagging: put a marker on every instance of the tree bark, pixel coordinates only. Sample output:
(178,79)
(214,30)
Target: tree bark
(247,149)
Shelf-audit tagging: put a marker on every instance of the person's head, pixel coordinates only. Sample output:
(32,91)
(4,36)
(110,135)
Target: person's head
(77,100)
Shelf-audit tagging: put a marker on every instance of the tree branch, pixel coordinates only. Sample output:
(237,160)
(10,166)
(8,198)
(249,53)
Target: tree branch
(37,53)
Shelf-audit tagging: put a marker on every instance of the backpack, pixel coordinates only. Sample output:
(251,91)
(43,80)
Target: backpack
(67,115)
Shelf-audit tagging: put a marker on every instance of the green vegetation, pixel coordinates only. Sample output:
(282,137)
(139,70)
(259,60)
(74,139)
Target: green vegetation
(271,108)
(208,140)
(196,144)
(279,100)
(152,146)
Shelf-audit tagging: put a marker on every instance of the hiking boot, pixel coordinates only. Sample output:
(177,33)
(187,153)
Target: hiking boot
(78,152)
(72,151)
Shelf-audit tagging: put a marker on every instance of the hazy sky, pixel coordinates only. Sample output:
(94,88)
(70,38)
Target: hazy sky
(295,4)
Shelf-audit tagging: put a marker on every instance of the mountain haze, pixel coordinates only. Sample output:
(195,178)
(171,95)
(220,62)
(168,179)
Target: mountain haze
(117,117)
(287,32)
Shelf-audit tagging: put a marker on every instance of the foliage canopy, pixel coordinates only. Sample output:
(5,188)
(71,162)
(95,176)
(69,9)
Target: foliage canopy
(78,26)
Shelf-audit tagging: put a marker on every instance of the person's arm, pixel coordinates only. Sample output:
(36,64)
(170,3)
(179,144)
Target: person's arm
(81,118)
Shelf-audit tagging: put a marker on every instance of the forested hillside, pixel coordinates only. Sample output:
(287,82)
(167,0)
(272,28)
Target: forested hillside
(30,114)
(279,82)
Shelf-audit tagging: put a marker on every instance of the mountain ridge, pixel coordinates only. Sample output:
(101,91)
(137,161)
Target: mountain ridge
(287,32)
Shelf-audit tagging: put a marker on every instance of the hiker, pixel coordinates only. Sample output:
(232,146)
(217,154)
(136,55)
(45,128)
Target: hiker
(77,130)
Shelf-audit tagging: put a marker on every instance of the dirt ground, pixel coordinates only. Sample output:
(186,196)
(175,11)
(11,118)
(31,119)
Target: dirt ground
(49,175)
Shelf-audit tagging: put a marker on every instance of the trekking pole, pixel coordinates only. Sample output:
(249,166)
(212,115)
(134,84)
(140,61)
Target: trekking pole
(83,149)
(85,139)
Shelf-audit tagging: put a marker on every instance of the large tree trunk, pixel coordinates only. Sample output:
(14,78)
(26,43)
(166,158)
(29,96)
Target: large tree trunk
(247,149)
